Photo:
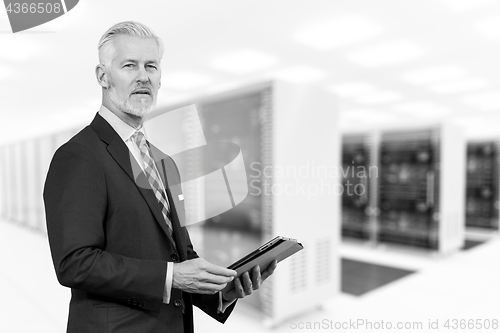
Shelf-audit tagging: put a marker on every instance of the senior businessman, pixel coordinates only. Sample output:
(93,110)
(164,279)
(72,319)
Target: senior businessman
(120,247)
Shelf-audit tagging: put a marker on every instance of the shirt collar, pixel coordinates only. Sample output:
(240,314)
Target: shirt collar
(124,130)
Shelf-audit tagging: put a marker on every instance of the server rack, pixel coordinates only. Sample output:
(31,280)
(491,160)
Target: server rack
(357,220)
(409,188)
(23,169)
(482,194)
(418,196)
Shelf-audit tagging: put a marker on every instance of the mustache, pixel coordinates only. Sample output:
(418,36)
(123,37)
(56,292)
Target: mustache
(145,89)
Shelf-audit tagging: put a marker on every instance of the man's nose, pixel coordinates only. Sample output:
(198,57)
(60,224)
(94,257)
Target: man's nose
(143,75)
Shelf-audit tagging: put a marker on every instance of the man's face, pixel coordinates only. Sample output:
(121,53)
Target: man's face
(134,74)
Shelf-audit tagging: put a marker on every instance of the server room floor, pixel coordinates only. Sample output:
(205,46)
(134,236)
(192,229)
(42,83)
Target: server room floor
(387,284)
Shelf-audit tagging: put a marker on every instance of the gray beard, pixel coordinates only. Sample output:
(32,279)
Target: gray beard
(126,107)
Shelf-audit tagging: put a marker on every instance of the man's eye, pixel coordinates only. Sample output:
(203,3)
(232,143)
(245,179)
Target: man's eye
(128,65)
(152,67)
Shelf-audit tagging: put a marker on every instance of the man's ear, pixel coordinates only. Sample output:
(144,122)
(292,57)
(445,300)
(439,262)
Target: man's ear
(102,77)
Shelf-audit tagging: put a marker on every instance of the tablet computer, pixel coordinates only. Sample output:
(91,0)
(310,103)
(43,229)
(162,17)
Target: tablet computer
(278,248)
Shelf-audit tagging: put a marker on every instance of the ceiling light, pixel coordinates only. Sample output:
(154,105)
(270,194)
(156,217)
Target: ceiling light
(18,47)
(184,80)
(299,74)
(366,116)
(243,62)
(351,89)
(386,54)
(488,101)
(462,5)
(457,86)
(355,113)
(422,109)
(434,74)
(338,32)
(379,97)
(466,121)
(489,27)
(380,118)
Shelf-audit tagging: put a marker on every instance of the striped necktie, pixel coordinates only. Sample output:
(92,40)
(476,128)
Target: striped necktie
(153,177)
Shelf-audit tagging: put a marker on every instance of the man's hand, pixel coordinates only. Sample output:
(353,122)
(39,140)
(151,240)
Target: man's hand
(245,285)
(201,277)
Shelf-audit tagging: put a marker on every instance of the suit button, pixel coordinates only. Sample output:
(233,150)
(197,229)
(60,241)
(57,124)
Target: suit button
(129,301)
(174,257)
(177,303)
(134,302)
(141,304)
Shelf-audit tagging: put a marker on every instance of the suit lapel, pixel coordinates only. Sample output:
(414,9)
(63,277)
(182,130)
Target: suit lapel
(120,153)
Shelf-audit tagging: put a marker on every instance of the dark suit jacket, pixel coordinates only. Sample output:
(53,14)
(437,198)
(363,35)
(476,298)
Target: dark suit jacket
(109,241)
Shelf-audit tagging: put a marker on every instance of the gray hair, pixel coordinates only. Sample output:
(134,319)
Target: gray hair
(129,28)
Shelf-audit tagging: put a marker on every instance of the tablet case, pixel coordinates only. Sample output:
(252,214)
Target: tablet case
(279,252)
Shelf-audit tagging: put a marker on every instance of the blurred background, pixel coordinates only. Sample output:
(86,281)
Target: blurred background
(369,131)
